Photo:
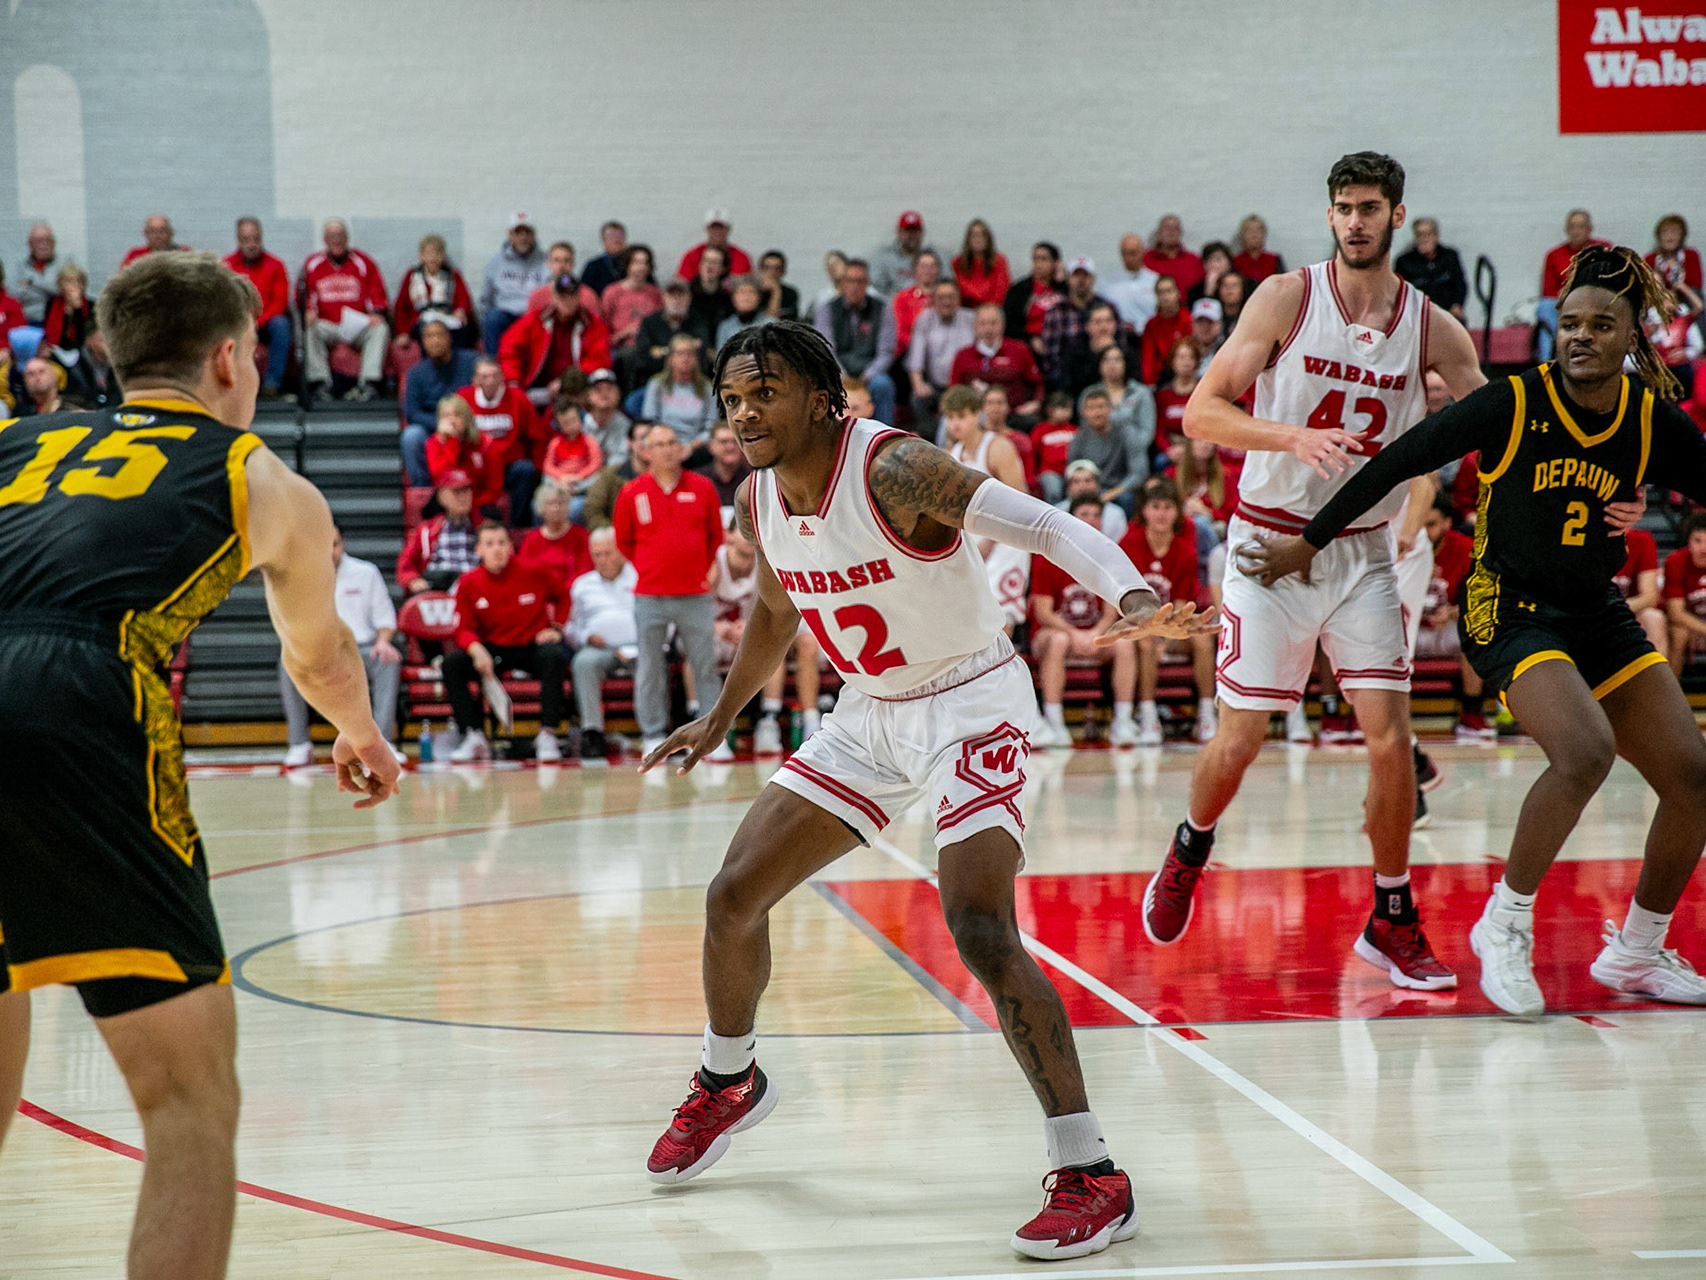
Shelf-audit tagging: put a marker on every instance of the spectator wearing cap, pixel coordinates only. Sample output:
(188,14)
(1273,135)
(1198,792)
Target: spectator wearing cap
(1253,261)
(1065,322)
(938,335)
(433,289)
(272,281)
(1132,289)
(443,371)
(602,633)
(681,394)
(157,237)
(980,271)
(1032,298)
(747,310)
(514,272)
(1167,255)
(560,257)
(1434,268)
(604,420)
(441,548)
(894,265)
(1207,329)
(515,437)
(338,284)
(996,361)
(1120,453)
(645,359)
(781,299)
(1170,322)
(861,330)
(539,346)
(735,260)
(1084,480)
(669,523)
(606,269)
(631,297)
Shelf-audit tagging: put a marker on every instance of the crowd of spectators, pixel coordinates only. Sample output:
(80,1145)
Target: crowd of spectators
(559,404)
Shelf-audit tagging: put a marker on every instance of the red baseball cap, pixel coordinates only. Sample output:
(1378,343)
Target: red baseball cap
(911,220)
(455,478)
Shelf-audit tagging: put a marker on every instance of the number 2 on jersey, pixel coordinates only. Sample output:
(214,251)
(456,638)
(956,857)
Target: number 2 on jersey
(143,464)
(873,659)
(1329,415)
(1577,513)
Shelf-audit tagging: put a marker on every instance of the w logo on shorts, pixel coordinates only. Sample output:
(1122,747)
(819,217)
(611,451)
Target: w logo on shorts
(1001,759)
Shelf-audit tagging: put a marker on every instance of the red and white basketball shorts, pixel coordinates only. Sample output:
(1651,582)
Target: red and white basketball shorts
(1414,571)
(1350,605)
(958,743)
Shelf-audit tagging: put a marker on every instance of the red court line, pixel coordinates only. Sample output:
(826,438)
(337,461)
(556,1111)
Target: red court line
(74,1130)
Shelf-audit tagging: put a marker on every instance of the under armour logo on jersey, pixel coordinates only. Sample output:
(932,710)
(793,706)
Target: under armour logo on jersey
(805,530)
(1538,424)
(1366,338)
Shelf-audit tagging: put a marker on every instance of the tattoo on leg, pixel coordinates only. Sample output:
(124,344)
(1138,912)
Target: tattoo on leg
(1011,1013)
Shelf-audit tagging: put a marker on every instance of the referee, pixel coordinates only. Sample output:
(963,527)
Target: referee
(1542,623)
(119,531)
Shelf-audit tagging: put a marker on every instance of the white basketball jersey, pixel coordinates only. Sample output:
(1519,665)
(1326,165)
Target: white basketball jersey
(734,597)
(978,461)
(1332,373)
(889,617)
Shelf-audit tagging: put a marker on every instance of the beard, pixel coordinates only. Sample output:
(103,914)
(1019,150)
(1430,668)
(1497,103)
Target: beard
(1369,256)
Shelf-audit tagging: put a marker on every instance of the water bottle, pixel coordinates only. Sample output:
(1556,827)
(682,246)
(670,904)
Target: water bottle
(426,742)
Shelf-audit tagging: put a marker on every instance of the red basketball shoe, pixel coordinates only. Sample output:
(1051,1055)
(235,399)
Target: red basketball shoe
(1083,1214)
(1169,897)
(703,1125)
(1403,951)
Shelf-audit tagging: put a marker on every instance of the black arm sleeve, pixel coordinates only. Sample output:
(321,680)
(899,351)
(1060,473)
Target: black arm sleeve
(1481,420)
(1678,452)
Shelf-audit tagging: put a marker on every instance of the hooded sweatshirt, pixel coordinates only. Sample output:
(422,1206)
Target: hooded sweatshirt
(510,277)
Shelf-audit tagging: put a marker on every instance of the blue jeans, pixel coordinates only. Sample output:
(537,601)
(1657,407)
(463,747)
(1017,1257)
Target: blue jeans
(1546,325)
(881,387)
(414,453)
(520,480)
(276,333)
(492,327)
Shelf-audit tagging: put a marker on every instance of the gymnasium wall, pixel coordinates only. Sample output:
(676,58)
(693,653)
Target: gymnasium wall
(814,123)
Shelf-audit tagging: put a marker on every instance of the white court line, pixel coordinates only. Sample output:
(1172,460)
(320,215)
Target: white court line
(1479,1249)
(1670,1253)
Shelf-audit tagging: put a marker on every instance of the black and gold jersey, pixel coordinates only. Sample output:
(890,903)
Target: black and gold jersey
(136,516)
(1548,467)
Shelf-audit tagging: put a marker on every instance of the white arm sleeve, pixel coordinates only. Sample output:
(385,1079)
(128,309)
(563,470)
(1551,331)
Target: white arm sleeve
(1003,513)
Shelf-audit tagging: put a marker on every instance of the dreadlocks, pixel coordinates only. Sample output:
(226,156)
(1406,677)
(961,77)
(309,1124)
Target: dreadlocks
(799,346)
(1621,272)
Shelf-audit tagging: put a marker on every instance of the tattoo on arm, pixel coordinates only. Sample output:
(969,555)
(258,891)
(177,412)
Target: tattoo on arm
(911,478)
(743,512)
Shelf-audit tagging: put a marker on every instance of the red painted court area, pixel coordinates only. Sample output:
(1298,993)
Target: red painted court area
(1275,944)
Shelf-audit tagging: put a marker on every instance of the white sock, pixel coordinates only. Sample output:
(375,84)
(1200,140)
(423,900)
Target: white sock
(1074,1140)
(1054,714)
(1122,710)
(1644,930)
(1508,899)
(1204,704)
(810,720)
(1391,882)
(772,707)
(727,1055)
(1194,825)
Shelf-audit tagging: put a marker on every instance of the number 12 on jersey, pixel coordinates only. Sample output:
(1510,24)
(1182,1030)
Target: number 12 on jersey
(873,659)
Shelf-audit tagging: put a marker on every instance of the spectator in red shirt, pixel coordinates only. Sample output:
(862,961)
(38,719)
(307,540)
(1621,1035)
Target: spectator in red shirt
(441,548)
(1675,263)
(507,618)
(157,236)
(1067,617)
(1051,439)
(271,278)
(515,437)
(336,283)
(1162,544)
(669,526)
(572,457)
(70,316)
(556,548)
(539,346)
(632,297)
(1202,480)
(1032,298)
(1161,335)
(1685,593)
(1638,580)
(433,289)
(457,445)
(914,300)
(1171,397)
(995,361)
(1253,261)
(11,317)
(717,235)
(1578,235)
(1167,255)
(560,261)
(980,270)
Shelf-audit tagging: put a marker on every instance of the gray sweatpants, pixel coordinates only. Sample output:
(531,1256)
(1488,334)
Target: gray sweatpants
(317,340)
(382,682)
(694,618)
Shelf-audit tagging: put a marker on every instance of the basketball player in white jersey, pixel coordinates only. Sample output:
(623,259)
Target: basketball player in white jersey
(864,532)
(1337,352)
(1009,568)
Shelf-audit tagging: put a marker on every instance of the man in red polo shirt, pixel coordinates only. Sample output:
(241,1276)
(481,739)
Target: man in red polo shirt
(506,617)
(995,361)
(1168,256)
(270,277)
(1578,235)
(669,526)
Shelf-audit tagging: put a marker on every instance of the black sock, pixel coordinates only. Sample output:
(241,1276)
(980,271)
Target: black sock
(1395,906)
(1472,703)
(716,1083)
(1101,1169)
(1192,846)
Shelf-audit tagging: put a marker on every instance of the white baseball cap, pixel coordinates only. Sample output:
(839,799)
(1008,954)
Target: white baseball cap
(1081,263)
(714,214)
(521,219)
(1206,309)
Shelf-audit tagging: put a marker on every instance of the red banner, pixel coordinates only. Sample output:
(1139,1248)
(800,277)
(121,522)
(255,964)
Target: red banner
(1631,70)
